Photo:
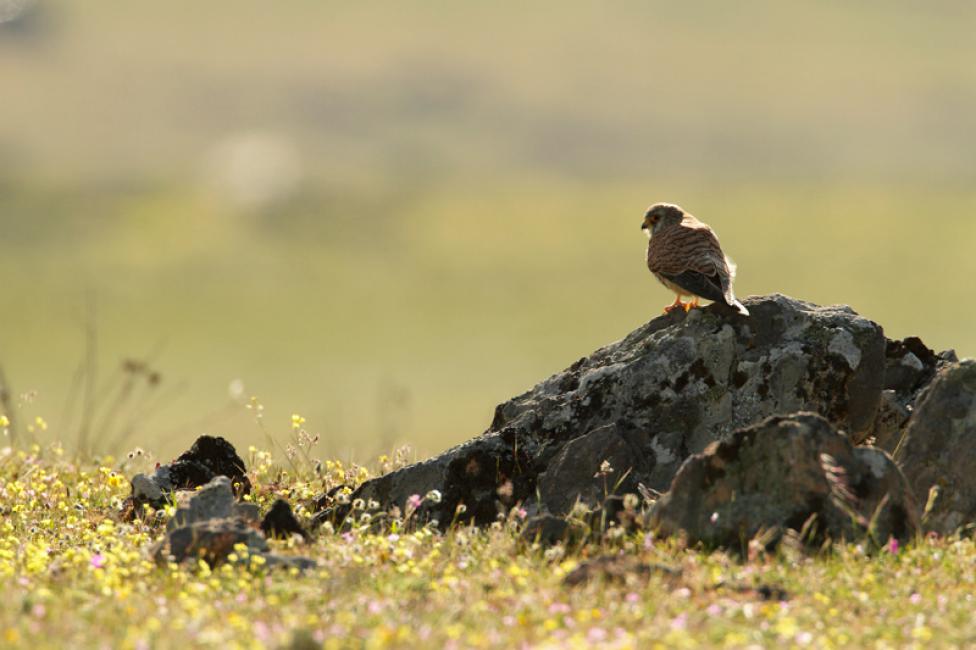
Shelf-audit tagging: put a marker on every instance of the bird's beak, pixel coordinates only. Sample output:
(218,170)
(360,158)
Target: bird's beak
(643,225)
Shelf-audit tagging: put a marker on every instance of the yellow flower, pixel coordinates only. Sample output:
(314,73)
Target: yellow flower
(4,422)
(297,421)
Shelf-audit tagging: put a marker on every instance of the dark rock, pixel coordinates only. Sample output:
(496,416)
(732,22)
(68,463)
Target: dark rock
(184,475)
(617,568)
(249,512)
(648,402)
(549,530)
(762,591)
(574,473)
(909,367)
(209,457)
(939,449)
(210,524)
(788,472)
(211,540)
(280,522)
(219,457)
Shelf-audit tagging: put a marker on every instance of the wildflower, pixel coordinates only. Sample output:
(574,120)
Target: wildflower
(893,546)
(358,504)
(434,496)
(605,469)
(297,421)
(596,635)
(98,561)
(414,501)
(4,422)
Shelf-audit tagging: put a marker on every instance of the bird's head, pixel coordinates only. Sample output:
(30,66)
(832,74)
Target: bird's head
(661,215)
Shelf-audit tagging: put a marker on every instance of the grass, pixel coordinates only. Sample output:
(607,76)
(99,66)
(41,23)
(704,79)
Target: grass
(458,188)
(74,576)
(411,325)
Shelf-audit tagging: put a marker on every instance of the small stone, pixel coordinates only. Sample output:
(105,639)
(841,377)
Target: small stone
(280,522)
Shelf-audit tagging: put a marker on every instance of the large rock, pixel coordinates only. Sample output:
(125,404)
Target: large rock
(208,458)
(939,448)
(788,472)
(215,500)
(909,368)
(647,403)
(211,526)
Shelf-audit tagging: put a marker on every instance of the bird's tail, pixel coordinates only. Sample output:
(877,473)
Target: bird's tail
(738,306)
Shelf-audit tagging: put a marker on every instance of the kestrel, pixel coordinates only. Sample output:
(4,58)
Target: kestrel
(684,254)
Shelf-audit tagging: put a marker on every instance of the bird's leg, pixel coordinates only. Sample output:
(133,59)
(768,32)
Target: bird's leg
(693,304)
(677,304)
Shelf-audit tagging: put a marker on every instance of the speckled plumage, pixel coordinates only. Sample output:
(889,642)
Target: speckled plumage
(685,255)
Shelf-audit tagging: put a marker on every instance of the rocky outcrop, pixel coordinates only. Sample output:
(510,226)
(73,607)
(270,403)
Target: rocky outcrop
(213,527)
(647,403)
(791,472)
(938,450)
(208,458)
(909,368)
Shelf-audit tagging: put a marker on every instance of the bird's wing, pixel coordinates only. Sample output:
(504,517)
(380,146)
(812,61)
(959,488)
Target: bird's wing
(699,284)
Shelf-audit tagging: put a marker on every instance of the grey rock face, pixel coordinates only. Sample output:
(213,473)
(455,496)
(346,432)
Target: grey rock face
(211,523)
(208,457)
(215,500)
(939,448)
(648,402)
(781,474)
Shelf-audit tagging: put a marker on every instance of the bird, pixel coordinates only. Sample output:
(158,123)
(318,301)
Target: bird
(684,254)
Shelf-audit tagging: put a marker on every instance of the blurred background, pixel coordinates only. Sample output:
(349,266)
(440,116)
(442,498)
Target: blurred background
(389,217)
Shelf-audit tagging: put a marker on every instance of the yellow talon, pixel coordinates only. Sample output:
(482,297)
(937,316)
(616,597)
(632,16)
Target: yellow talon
(677,304)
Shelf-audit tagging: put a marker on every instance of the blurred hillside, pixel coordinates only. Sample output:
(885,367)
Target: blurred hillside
(390,217)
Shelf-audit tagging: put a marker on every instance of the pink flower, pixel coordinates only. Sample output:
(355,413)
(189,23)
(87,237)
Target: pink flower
(633,597)
(596,635)
(915,598)
(893,546)
(414,501)
(98,560)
